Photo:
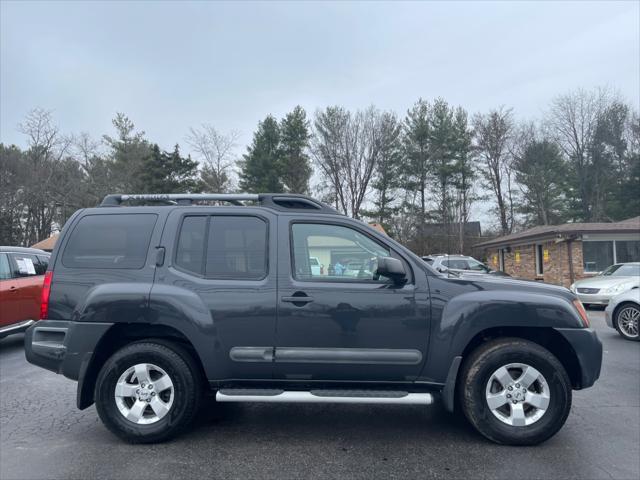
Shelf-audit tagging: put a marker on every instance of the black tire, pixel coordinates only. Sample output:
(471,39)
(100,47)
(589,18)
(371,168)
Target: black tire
(625,306)
(184,373)
(476,373)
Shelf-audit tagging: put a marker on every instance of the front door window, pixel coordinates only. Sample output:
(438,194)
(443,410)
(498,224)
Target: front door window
(335,253)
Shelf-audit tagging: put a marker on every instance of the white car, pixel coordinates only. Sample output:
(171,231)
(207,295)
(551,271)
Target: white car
(314,263)
(623,314)
(616,279)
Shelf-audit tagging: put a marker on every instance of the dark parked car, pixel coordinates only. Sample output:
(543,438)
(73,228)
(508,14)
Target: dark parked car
(21,278)
(151,307)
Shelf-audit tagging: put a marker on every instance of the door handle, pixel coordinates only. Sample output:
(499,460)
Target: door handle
(294,299)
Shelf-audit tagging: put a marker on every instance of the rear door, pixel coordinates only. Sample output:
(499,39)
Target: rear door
(220,269)
(9,307)
(26,286)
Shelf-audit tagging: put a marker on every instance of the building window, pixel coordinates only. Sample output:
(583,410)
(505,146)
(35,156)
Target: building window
(597,256)
(627,251)
(539,260)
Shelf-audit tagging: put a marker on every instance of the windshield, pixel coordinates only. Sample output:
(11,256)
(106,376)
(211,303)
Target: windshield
(622,270)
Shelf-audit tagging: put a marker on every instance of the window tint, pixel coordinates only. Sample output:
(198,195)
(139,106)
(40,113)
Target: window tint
(24,265)
(478,266)
(190,251)
(237,248)
(344,254)
(44,263)
(110,241)
(456,264)
(5,270)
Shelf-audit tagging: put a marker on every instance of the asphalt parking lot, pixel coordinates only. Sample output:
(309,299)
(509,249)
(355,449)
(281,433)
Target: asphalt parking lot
(42,435)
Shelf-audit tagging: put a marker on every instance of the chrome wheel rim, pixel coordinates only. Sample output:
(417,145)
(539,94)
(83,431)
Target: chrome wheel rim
(517,394)
(144,394)
(628,321)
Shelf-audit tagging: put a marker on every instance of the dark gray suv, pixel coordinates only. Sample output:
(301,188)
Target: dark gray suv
(153,305)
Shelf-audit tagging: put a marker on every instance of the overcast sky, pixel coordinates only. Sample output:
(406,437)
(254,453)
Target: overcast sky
(171,65)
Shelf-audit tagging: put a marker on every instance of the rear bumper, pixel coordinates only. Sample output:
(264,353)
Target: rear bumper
(15,328)
(62,346)
(588,348)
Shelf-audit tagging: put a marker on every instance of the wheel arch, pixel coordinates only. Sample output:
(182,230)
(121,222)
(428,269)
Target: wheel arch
(546,337)
(119,335)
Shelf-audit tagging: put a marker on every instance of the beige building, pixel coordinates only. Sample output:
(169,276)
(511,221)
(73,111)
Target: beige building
(562,254)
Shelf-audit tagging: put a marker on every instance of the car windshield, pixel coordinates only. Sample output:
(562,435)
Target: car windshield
(622,270)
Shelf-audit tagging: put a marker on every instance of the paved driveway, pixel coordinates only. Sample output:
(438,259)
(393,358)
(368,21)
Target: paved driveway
(42,435)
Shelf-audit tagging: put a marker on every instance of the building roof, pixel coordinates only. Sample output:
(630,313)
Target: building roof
(378,227)
(631,225)
(47,244)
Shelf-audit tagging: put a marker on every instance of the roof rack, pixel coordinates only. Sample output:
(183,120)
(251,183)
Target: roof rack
(277,201)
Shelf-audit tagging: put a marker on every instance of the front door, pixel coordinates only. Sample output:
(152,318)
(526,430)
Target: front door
(339,321)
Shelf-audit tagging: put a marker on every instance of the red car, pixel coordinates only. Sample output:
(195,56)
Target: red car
(21,278)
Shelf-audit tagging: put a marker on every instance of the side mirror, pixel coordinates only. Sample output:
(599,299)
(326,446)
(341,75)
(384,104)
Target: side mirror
(392,268)
(442,269)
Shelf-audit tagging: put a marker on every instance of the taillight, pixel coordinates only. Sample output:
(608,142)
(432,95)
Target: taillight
(44,299)
(583,313)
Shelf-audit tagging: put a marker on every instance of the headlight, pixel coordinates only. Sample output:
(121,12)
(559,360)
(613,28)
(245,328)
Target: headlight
(617,288)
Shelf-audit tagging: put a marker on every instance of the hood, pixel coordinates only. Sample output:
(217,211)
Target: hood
(605,282)
(495,282)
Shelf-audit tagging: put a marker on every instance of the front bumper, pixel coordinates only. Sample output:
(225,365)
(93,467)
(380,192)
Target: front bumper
(588,348)
(608,314)
(595,299)
(62,346)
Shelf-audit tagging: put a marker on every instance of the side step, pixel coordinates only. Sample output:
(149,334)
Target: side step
(324,396)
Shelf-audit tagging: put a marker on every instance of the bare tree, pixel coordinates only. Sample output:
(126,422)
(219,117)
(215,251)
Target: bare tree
(215,149)
(346,147)
(572,121)
(42,196)
(493,133)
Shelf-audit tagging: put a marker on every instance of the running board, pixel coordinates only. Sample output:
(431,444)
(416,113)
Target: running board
(324,396)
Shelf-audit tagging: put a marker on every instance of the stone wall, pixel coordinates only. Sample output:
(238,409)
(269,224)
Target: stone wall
(520,262)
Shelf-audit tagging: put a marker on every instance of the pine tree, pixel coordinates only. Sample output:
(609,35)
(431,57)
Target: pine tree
(295,168)
(167,172)
(417,167)
(261,166)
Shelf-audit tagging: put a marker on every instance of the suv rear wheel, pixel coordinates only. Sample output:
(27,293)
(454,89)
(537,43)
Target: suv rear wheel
(148,391)
(515,392)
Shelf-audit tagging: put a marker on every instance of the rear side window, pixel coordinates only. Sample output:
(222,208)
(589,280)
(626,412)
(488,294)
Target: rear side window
(25,265)
(223,247)
(44,263)
(190,255)
(5,269)
(110,241)
(237,248)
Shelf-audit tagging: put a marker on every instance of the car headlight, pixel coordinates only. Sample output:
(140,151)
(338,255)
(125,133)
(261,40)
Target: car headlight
(618,288)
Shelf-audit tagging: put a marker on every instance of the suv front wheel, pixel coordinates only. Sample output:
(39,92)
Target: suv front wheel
(148,391)
(515,392)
